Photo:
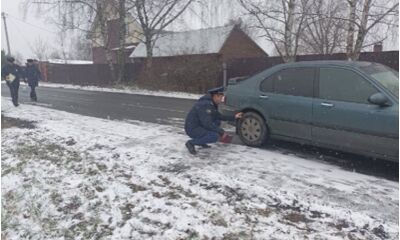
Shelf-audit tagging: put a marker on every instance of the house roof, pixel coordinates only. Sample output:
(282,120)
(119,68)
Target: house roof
(62,61)
(202,41)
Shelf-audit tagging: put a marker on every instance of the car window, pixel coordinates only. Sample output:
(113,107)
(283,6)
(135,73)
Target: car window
(386,76)
(344,85)
(268,84)
(296,82)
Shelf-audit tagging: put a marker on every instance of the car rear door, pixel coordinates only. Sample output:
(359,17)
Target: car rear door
(287,97)
(343,117)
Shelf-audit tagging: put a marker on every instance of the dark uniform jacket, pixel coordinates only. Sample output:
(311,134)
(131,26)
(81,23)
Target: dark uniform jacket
(204,117)
(32,73)
(14,69)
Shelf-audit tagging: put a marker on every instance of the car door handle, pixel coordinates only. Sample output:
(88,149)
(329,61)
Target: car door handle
(264,96)
(327,105)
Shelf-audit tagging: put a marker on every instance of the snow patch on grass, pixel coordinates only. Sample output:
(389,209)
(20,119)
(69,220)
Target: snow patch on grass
(77,177)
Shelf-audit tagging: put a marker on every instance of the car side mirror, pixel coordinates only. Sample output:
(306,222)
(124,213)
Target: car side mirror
(379,99)
(232,81)
(235,80)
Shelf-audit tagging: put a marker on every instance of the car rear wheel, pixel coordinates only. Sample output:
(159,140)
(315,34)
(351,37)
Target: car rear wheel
(252,129)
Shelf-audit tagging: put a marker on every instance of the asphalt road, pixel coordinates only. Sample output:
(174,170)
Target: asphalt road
(119,106)
(172,111)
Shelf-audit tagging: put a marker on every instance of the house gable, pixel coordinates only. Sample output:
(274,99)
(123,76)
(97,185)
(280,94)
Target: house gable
(240,45)
(133,33)
(132,39)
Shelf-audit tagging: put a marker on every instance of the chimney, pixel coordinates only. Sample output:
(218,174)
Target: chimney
(378,47)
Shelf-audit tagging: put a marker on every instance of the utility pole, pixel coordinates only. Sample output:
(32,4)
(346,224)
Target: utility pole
(3,15)
(224,80)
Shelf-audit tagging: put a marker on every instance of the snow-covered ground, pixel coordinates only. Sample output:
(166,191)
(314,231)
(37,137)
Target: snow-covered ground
(124,89)
(77,177)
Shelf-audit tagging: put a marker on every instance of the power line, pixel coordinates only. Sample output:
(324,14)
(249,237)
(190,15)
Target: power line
(22,35)
(30,24)
(199,17)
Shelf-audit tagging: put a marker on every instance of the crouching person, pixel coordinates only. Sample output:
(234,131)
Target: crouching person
(203,122)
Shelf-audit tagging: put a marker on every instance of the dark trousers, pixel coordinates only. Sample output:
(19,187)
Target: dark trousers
(33,93)
(14,87)
(209,137)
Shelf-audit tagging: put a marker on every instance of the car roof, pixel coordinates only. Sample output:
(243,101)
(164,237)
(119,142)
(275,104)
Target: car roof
(327,62)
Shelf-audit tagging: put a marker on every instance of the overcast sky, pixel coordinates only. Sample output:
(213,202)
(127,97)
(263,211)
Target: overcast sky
(24,32)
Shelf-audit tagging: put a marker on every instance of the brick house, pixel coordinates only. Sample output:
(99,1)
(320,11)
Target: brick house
(227,42)
(133,34)
(193,61)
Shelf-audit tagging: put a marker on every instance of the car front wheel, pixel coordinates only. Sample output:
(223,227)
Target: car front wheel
(252,129)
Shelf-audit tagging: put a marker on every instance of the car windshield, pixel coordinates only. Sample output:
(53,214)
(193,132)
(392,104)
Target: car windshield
(386,76)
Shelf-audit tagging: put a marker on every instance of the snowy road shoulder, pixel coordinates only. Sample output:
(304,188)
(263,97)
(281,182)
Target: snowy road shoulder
(82,178)
(123,89)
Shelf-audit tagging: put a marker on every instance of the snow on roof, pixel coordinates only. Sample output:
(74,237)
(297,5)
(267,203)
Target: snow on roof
(126,47)
(202,41)
(62,61)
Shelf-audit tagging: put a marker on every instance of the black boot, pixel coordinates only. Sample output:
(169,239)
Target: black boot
(190,147)
(33,96)
(205,146)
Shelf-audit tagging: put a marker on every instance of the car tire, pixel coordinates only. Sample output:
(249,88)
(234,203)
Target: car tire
(252,129)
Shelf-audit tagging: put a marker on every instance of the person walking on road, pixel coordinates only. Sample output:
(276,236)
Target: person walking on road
(12,73)
(203,122)
(33,76)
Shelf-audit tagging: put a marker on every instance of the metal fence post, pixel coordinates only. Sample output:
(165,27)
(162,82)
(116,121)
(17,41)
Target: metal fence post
(224,68)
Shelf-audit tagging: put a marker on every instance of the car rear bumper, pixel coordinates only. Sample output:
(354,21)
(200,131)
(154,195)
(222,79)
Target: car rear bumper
(228,111)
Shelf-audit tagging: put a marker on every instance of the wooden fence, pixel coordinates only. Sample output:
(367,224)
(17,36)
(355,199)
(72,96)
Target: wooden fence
(192,73)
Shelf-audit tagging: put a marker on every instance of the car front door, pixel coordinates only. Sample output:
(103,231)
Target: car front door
(343,117)
(286,98)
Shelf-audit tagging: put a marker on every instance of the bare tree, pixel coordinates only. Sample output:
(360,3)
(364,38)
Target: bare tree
(364,15)
(281,22)
(154,17)
(19,59)
(80,48)
(40,49)
(324,30)
(121,38)
(55,54)
(62,39)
